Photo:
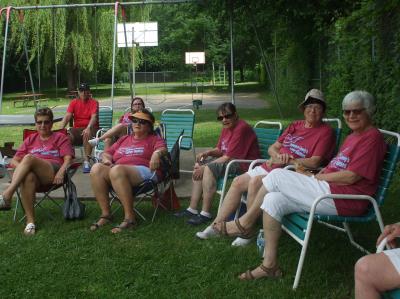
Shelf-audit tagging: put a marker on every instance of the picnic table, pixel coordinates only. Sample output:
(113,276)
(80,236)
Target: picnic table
(71,94)
(21,119)
(26,98)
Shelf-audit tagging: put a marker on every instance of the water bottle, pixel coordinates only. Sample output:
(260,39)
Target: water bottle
(2,166)
(260,243)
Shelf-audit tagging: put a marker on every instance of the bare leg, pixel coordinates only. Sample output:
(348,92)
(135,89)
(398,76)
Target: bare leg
(233,196)
(28,195)
(373,275)
(100,181)
(197,191)
(29,163)
(123,178)
(255,185)
(272,233)
(209,187)
(248,219)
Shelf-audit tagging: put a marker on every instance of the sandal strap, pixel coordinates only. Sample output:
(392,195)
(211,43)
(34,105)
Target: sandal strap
(248,275)
(223,228)
(271,272)
(240,227)
(107,217)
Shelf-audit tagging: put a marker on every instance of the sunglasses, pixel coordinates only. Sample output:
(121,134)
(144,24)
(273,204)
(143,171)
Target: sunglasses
(43,122)
(139,121)
(354,111)
(227,116)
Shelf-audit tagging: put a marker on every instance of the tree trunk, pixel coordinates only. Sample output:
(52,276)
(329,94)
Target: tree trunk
(71,77)
(241,70)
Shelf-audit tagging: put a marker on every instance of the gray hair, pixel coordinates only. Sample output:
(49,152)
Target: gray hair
(360,96)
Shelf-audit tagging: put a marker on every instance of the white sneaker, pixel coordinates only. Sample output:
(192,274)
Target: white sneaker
(208,233)
(93,142)
(238,242)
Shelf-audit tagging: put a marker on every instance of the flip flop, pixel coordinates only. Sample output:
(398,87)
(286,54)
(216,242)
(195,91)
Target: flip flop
(30,229)
(96,225)
(275,272)
(127,224)
(4,205)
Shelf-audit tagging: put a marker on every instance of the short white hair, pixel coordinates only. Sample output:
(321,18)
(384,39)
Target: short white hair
(366,99)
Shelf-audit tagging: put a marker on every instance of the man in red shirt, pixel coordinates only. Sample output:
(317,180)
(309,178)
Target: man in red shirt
(84,112)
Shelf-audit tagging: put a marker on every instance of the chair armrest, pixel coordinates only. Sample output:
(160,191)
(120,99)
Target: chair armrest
(255,162)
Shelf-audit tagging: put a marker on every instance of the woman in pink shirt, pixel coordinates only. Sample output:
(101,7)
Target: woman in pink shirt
(41,160)
(120,129)
(354,170)
(131,160)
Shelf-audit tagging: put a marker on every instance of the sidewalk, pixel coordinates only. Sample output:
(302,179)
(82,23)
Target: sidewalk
(183,186)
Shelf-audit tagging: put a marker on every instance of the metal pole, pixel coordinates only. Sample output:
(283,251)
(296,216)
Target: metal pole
(27,61)
(8,11)
(113,58)
(133,62)
(126,45)
(231,45)
(55,50)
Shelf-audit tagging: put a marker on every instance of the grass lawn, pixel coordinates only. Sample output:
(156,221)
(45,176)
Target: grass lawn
(164,259)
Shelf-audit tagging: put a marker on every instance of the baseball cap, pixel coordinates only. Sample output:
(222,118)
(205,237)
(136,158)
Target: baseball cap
(84,86)
(314,94)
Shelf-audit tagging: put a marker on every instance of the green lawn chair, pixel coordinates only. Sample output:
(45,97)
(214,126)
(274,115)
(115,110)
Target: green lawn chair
(299,225)
(173,122)
(267,133)
(105,123)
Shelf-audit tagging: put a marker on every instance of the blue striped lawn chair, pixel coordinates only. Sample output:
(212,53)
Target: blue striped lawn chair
(105,123)
(299,225)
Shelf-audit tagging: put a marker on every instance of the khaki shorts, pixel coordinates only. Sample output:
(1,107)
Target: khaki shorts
(218,169)
(76,134)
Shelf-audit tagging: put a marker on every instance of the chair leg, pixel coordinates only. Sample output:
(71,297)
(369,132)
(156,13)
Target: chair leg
(16,206)
(303,253)
(351,239)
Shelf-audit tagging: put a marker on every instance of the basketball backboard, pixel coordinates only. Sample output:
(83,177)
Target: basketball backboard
(195,58)
(144,34)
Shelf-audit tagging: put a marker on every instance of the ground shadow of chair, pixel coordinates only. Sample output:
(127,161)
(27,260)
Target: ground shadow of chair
(299,225)
(48,189)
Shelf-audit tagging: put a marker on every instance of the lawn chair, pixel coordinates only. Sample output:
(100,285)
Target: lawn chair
(156,191)
(299,225)
(105,123)
(267,133)
(393,294)
(46,190)
(173,122)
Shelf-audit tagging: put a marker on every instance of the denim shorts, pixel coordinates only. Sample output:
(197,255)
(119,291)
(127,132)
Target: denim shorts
(146,173)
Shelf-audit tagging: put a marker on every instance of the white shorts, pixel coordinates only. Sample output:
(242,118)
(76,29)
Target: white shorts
(394,257)
(291,192)
(256,171)
(146,173)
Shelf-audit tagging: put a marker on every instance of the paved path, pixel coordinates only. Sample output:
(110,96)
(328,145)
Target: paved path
(210,101)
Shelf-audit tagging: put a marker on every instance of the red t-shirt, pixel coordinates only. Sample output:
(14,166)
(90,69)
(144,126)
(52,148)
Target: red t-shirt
(239,142)
(131,151)
(302,142)
(82,111)
(362,154)
(53,149)
(124,119)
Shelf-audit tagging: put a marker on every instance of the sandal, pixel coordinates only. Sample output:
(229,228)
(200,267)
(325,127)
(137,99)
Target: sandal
(30,229)
(125,225)
(97,225)
(4,205)
(275,272)
(243,232)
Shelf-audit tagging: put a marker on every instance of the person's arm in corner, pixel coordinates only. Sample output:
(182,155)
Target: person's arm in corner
(155,159)
(66,119)
(86,133)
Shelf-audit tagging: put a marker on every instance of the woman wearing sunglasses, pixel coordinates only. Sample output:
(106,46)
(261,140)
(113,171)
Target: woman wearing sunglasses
(127,163)
(120,129)
(354,170)
(307,143)
(41,160)
(237,141)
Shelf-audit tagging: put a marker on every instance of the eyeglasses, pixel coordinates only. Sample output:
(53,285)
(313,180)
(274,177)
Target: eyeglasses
(354,111)
(227,116)
(137,104)
(43,122)
(139,121)
(317,107)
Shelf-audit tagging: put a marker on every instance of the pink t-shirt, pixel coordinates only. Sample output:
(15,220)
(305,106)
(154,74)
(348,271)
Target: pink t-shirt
(239,142)
(131,151)
(124,119)
(53,149)
(362,154)
(82,111)
(302,142)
